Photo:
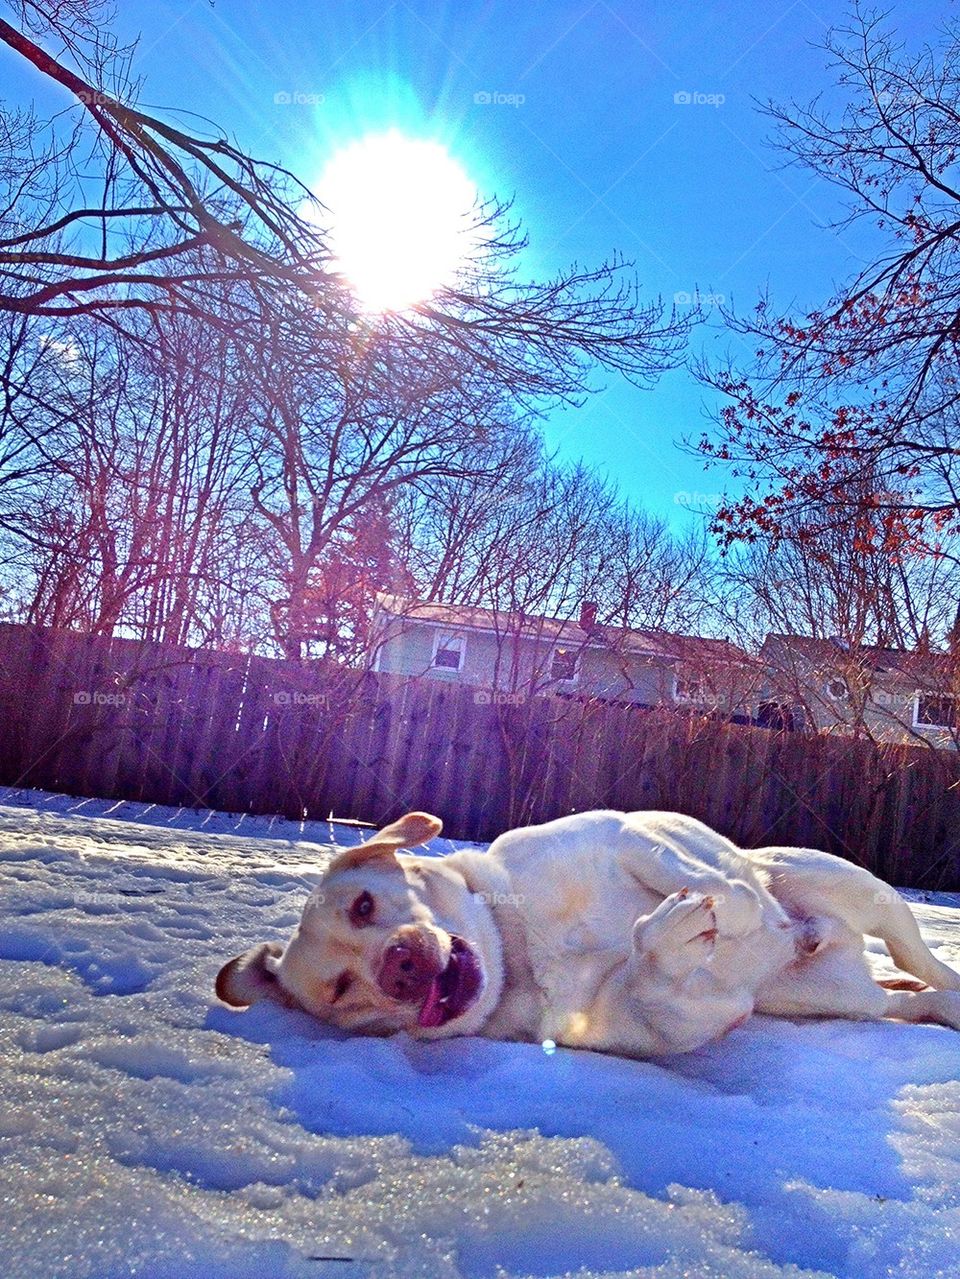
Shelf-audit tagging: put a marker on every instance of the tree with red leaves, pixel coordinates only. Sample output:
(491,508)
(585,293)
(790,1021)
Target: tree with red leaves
(847,417)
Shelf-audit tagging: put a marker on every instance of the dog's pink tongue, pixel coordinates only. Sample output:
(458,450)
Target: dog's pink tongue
(431,1014)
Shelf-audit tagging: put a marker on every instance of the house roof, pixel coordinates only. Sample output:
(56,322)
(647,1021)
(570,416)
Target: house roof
(649,643)
(894,665)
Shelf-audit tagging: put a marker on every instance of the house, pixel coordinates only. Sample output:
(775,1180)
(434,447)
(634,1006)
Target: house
(513,656)
(887,694)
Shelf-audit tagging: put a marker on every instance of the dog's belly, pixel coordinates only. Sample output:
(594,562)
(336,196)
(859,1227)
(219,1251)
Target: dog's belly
(749,961)
(570,983)
(580,900)
(580,932)
(585,913)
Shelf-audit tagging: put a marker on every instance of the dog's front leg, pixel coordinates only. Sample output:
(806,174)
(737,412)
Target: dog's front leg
(662,998)
(672,990)
(679,936)
(666,869)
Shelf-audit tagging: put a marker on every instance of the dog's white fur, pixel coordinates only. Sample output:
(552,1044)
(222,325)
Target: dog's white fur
(641,934)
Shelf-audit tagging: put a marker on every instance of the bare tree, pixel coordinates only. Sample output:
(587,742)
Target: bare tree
(866,385)
(835,584)
(451,527)
(142,482)
(400,403)
(852,631)
(537,542)
(109,209)
(114,218)
(124,211)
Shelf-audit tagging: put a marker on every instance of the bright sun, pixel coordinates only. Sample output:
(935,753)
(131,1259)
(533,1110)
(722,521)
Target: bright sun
(400,218)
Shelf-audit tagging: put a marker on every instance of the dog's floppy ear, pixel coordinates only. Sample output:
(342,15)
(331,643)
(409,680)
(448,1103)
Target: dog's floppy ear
(252,977)
(408,832)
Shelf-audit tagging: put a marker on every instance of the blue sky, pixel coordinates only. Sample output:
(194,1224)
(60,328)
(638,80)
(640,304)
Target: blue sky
(596,151)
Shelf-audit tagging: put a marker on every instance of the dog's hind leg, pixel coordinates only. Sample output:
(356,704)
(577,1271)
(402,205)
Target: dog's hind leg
(814,883)
(833,982)
(836,982)
(895,925)
(940,1006)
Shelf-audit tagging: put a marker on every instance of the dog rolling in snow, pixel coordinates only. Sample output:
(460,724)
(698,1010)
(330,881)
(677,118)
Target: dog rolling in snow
(641,934)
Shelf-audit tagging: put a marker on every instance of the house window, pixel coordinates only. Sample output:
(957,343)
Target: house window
(935,710)
(448,652)
(837,689)
(780,716)
(564,664)
(687,688)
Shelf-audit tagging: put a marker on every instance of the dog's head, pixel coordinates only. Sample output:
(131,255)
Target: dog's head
(385,943)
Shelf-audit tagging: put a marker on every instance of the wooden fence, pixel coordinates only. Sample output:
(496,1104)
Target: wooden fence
(117,718)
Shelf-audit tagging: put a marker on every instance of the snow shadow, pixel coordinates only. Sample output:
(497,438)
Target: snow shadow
(777,1109)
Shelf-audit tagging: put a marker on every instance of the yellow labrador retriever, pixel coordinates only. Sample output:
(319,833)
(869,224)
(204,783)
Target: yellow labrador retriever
(639,933)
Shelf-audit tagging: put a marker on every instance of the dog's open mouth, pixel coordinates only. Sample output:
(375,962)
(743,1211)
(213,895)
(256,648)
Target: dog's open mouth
(454,990)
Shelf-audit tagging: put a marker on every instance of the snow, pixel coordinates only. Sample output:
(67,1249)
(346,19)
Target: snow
(146,1130)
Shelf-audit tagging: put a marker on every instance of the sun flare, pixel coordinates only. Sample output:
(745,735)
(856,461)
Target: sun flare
(400,213)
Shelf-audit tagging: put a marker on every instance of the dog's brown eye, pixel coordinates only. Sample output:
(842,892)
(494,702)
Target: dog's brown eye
(341,986)
(361,912)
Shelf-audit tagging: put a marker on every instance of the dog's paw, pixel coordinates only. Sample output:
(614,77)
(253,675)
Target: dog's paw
(680,935)
(946,1007)
(738,910)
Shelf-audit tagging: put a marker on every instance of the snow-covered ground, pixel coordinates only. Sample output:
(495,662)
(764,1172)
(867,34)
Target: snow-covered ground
(146,1130)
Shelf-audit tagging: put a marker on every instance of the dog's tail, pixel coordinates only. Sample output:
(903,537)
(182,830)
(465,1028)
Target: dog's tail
(817,883)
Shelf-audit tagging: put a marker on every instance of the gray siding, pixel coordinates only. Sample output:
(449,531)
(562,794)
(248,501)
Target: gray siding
(502,664)
(884,709)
